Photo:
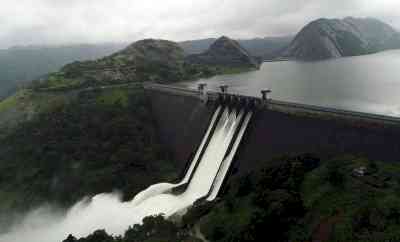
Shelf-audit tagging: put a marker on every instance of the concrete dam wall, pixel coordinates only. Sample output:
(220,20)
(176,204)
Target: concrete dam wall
(182,119)
(275,133)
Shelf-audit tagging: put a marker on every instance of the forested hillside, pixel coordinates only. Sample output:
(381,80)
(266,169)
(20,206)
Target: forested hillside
(293,198)
(21,64)
(98,142)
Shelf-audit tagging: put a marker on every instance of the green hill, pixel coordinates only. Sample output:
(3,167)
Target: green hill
(150,60)
(77,145)
(77,132)
(20,65)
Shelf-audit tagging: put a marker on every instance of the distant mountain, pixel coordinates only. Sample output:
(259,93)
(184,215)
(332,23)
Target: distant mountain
(225,52)
(151,60)
(332,38)
(196,46)
(144,60)
(21,64)
(267,48)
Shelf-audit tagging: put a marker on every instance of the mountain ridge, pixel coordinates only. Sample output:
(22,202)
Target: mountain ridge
(21,64)
(333,38)
(226,52)
(266,47)
(152,60)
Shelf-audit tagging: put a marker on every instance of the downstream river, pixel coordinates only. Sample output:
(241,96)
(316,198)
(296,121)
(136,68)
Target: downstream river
(368,83)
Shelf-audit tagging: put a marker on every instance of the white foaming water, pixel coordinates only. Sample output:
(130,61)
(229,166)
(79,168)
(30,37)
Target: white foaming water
(219,179)
(166,187)
(106,211)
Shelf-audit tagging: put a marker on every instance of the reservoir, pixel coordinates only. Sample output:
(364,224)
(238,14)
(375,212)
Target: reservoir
(369,83)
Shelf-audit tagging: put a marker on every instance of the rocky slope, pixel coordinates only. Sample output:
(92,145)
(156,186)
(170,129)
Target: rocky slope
(332,38)
(225,52)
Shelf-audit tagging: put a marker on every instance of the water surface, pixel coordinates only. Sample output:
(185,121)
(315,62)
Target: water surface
(368,83)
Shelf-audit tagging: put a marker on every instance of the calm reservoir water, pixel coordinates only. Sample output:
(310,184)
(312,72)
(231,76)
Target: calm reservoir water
(368,83)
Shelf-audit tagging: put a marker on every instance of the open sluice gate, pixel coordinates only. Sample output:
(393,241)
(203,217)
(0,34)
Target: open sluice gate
(203,180)
(209,166)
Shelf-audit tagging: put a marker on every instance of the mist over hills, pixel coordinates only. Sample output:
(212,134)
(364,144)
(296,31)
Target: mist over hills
(226,52)
(57,118)
(267,48)
(21,64)
(320,39)
(62,141)
(152,60)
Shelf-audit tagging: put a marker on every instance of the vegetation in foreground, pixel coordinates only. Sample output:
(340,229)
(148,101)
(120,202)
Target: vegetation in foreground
(301,199)
(344,199)
(101,141)
(154,229)
(63,139)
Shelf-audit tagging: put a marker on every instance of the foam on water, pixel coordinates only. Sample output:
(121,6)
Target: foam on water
(106,211)
(165,187)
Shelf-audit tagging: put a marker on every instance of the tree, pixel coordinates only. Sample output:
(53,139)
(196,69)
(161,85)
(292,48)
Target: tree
(335,174)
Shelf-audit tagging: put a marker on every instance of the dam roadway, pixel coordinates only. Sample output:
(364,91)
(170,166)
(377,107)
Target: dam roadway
(277,128)
(182,119)
(281,105)
(272,104)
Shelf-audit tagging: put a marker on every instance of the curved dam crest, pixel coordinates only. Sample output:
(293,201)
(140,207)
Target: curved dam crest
(279,129)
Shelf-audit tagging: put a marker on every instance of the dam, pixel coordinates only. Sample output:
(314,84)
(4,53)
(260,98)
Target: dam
(216,137)
(224,129)
(210,164)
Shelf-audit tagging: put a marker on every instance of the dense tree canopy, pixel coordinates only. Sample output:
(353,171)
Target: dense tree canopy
(102,141)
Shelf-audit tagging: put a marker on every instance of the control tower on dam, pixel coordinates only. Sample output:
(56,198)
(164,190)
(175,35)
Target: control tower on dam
(277,128)
(209,166)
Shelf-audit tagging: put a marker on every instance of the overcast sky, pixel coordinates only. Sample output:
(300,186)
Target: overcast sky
(39,22)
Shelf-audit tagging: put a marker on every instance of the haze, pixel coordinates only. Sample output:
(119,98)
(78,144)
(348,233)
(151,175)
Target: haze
(43,22)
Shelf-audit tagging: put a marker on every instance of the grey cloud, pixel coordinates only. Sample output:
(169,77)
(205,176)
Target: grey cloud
(78,21)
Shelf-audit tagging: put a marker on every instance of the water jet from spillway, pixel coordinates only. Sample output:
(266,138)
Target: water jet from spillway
(203,179)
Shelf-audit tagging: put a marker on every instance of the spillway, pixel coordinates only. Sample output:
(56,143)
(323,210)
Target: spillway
(202,180)
(205,171)
(209,166)
(226,163)
(167,187)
